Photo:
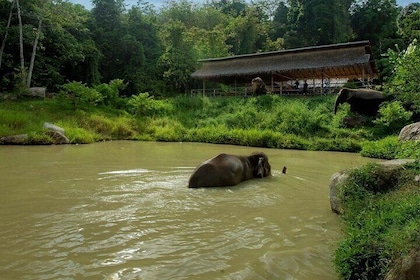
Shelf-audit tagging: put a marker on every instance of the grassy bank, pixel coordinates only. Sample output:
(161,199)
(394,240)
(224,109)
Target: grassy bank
(305,123)
(267,121)
(381,221)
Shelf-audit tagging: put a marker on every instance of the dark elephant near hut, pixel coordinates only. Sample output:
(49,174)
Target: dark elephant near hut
(362,101)
(229,170)
(258,86)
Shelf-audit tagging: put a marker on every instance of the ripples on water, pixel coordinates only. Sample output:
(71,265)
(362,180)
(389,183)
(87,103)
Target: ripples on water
(146,224)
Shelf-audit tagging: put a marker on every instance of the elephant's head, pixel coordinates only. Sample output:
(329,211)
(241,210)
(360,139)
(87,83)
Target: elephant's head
(258,86)
(343,96)
(262,167)
(364,101)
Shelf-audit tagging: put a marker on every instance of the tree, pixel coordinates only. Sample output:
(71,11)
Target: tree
(408,22)
(317,22)
(280,21)
(375,20)
(405,83)
(107,32)
(6,33)
(178,59)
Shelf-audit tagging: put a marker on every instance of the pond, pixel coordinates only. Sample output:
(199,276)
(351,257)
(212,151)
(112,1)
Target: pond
(122,210)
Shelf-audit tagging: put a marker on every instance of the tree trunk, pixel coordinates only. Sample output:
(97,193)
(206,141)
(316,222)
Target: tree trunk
(3,44)
(22,58)
(31,65)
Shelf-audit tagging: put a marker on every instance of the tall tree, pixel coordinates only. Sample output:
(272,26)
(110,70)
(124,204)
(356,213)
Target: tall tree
(6,32)
(318,22)
(108,31)
(376,21)
(178,59)
(409,22)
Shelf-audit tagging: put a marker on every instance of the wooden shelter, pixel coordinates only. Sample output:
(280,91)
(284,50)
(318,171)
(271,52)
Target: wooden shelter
(352,60)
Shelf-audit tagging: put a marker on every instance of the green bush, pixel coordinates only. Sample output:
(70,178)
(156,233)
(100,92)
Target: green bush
(404,84)
(393,117)
(391,148)
(384,149)
(79,95)
(110,92)
(145,105)
(381,220)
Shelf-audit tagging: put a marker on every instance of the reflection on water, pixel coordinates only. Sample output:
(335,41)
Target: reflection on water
(122,210)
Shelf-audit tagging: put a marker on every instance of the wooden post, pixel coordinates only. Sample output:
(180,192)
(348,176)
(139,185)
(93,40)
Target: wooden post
(272,83)
(363,76)
(204,87)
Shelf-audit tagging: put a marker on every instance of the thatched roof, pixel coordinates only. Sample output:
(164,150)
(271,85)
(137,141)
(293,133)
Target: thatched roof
(346,60)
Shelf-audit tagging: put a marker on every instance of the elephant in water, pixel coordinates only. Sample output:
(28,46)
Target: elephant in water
(229,170)
(363,101)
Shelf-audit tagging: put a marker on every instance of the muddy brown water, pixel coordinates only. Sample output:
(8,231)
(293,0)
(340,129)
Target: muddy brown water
(122,210)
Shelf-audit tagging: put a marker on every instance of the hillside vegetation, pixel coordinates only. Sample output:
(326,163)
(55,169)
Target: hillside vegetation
(271,121)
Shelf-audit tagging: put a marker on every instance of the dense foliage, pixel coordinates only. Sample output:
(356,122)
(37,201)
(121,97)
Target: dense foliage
(51,42)
(381,219)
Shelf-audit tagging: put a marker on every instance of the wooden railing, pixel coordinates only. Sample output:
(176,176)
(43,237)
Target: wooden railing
(247,91)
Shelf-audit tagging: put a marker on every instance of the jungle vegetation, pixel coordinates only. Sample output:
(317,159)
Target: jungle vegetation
(122,72)
(155,49)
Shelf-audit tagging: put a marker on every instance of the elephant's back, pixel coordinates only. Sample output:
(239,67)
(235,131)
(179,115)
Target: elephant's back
(203,175)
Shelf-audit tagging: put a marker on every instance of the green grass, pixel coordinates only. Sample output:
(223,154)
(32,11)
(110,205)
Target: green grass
(273,121)
(381,220)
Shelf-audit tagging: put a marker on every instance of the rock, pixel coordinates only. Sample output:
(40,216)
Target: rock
(37,91)
(354,121)
(58,137)
(14,139)
(407,269)
(56,133)
(52,127)
(338,178)
(410,132)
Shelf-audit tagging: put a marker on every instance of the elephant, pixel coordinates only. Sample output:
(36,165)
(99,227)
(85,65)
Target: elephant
(229,170)
(363,101)
(258,86)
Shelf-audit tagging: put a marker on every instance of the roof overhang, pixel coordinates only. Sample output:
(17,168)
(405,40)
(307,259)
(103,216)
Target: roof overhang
(346,60)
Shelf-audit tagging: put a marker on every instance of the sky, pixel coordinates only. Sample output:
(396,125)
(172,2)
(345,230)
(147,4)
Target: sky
(157,3)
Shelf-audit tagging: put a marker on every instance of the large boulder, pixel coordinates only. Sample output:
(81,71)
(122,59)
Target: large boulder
(56,133)
(37,91)
(410,132)
(339,178)
(335,182)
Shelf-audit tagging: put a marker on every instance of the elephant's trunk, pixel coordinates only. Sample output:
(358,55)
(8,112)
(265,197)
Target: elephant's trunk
(337,102)
(260,168)
(340,99)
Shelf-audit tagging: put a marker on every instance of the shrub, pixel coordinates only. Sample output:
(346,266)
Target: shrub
(145,105)
(404,83)
(390,148)
(81,136)
(392,116)
(384,149)
(79,95)
(110,92)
